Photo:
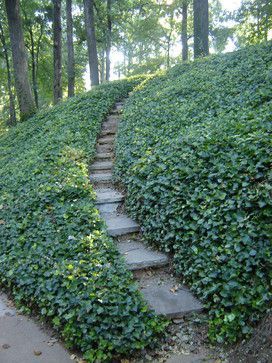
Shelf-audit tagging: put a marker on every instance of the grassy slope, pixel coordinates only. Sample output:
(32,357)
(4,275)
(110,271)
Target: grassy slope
(54,252)
(194,151)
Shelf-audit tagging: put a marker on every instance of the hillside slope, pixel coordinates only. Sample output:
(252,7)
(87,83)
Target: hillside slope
(55,255)
(194,152)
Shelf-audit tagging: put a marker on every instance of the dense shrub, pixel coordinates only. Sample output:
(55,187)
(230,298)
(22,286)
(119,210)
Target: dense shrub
(194,151)
(54,252)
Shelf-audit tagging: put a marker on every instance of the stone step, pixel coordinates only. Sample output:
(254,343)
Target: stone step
(105,148)
(108,196)
(106,140)
(101,165)
(107,132)
(138,256)
(167,297)
(110,125)
(114,117)
(106,208)
(101,178)
(119,225)
(101,156)
(115,112)
(119,105)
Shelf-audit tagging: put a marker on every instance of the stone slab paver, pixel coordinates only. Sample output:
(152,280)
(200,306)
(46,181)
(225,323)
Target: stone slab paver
(108,195)
(108,132)
(120,224)
(106,140)
(108,207)
(167,298)
(104,155)
(138,256)
(103,177)
(101,165)
(24,341)
(104,148)
(190,358)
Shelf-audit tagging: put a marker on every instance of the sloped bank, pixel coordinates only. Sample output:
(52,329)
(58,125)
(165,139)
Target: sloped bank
(194,152)
(54,251)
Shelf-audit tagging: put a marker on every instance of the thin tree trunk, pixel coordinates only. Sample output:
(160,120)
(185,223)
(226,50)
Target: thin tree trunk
(91,41)
(70,50)
(12,114)
(108,48)
(184,31)
(168,51)
(34,69)
(201,28)
(102,68)
(38,51)
(22,84)
(57,83)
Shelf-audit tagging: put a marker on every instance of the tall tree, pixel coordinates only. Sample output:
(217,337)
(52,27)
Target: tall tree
(70,50)
(91,41)
(19,58)
(108,47)
(34,22)
(57,51)
(201,28)
(12,114)
(184,31)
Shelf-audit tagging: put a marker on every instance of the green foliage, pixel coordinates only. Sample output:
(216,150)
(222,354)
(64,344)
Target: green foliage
(54,252)
(194,151)
(254,21)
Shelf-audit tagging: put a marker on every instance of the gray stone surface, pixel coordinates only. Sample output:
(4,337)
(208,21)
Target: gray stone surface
(108,207)
(101,165)
(119,106)
(108,195)
(102,156)
(189,358)
(105,148)
(119,225)
(139,256)
(106,140)
(108,132)
(109,126)
(166,297)
(24,341)
(100,178)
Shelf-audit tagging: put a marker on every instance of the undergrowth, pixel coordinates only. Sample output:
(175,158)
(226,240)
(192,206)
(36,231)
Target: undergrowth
(194,152)
(55,255)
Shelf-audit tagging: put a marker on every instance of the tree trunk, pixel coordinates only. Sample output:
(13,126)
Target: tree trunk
(201,28)
(22,84)
(102,67)
(57,51)
(70,50)
(91,41)
(108,48)
(12,114)
(184,33)
(34,68)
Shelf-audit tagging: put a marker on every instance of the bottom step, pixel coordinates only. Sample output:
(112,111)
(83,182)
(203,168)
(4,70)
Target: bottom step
(164,295)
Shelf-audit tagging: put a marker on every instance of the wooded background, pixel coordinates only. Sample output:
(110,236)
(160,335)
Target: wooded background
(48,45)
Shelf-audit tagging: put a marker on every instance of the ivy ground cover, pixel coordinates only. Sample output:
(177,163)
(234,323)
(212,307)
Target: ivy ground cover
(194,151)
(54,252)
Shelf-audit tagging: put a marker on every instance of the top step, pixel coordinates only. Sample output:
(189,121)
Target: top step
(119,105)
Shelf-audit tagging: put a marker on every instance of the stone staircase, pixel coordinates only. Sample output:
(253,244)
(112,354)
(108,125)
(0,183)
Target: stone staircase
(161,290)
